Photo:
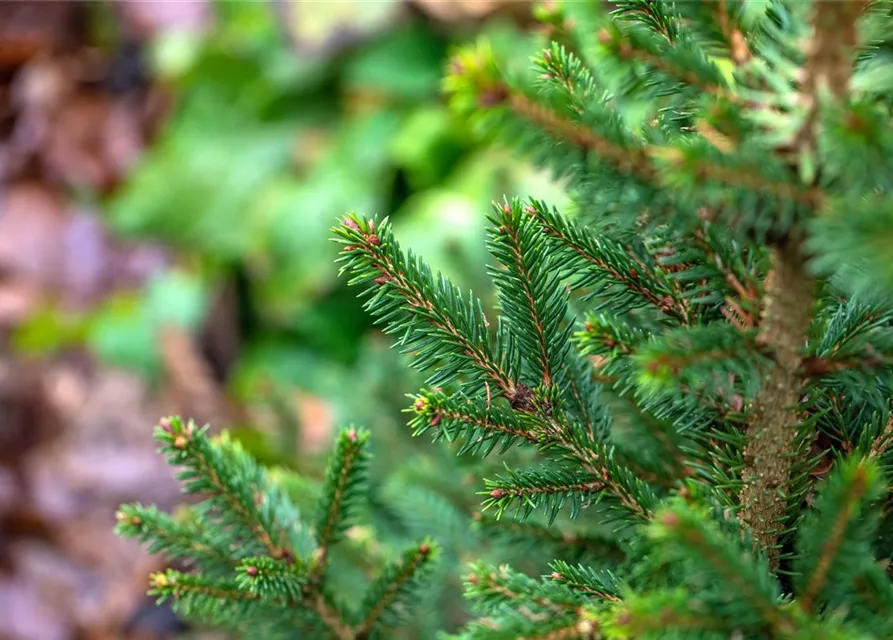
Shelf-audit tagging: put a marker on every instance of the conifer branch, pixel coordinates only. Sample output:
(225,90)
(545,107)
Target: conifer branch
(601,585)
(536,536)
(658,612)
(330,617)
(171,583)
(836,539)
(641,161)
(707,357)
(727,392)
(501,496)
(881,444)
(551,488)
(515,625)
(186,445)
(393,584)
(859,484)
(772,427)
(829,62)
(609,258)
(414,303)
(165,534)
(608,337)
(495,587)
(629,46)
(736,42)
(271,580)
(530,291)
(656,16)
(453,419)
(634,161)
(741,574)
(346,471)
(577,629)
(789,296)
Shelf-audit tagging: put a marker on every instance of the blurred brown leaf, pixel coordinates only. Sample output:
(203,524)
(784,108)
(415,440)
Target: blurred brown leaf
(94,142)
(30,28)
(150,17)
(193,390)
(317,422)
(457,10)
(32,221)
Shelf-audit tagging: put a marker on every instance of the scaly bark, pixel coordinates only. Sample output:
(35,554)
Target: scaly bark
(769,453)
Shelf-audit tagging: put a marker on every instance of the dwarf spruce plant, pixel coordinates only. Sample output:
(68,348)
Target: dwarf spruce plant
(689,371)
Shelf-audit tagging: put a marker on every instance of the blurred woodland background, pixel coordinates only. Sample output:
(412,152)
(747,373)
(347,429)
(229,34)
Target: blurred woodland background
(170,171)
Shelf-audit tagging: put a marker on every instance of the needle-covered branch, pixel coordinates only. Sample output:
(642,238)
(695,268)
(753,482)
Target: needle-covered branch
(447,332)
(241,574)
(342,492)
(684,391)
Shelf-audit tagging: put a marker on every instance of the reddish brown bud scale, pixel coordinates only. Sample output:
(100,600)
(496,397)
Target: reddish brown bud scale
(420,405)
(351,224)
(383,279)
(436,420)
(165,423)
(506,208)
(424,549)
(497,493)
(352,435)
(180,442)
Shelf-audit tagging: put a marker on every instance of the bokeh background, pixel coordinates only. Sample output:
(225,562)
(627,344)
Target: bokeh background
(169,172)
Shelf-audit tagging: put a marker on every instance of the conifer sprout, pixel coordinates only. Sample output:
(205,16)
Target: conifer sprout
(693,366)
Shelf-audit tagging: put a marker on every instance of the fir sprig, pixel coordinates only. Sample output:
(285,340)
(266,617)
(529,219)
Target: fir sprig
(447,332)
(696,367)
(750,599)
(530,293)
(481,430)
(259,566)
(342,491)
(241,498)
(835,541)
(387,598)
(616,276)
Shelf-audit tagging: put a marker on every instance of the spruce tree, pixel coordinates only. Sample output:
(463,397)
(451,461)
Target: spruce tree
(690,372)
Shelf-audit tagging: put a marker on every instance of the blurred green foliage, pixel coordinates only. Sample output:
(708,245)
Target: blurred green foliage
(265,148)
(268,144)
